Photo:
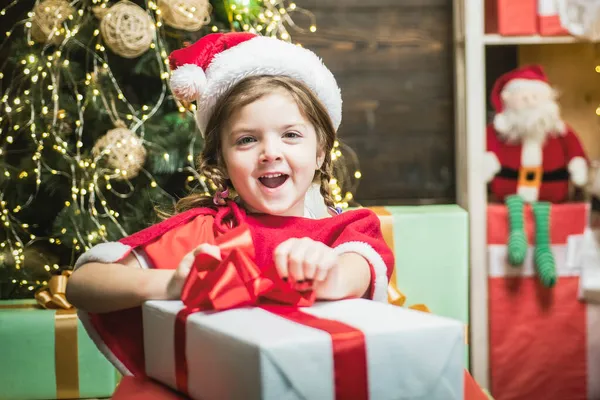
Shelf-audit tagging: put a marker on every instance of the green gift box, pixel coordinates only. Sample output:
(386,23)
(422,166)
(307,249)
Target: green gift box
(47,354)
(431,248)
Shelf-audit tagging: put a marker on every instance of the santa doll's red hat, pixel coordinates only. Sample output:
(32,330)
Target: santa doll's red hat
(206,70)
(528,72)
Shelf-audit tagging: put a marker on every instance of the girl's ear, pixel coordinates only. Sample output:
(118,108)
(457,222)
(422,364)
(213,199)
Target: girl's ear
(320,159)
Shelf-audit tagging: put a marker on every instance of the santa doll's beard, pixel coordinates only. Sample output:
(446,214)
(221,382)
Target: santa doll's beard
(532,123)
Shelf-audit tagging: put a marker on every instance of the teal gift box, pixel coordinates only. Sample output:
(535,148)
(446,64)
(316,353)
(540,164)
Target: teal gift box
(431,249)
(47,354)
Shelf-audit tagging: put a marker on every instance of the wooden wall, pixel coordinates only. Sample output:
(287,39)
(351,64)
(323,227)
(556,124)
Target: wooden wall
(393,60)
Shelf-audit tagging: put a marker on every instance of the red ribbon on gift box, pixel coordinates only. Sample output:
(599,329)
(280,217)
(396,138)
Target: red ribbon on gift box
(236,281)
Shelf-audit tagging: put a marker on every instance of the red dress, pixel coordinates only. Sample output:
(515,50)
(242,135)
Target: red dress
(119,334)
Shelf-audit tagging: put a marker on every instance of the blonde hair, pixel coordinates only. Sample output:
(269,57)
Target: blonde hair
(246,92)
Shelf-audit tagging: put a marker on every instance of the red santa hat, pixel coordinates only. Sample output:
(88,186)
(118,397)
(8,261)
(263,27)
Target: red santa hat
(206,70)
(524,75)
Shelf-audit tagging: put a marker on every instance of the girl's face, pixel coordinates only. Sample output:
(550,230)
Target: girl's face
(271,154)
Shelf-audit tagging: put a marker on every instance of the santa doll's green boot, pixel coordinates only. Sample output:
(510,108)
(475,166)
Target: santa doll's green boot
(544,259)
(517,238)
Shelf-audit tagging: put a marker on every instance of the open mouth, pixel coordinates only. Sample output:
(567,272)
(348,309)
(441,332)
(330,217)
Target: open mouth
(273,181)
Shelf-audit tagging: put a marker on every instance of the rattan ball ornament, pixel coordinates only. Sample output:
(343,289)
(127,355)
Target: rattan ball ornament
(48,16)
(187,15)
(123,149)
(126,28)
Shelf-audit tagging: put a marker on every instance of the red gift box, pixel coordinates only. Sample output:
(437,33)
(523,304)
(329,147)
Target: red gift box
(511,17)
(544,342)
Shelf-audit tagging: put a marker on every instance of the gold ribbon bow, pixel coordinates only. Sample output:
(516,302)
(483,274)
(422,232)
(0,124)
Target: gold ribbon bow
(397,298)
(53,296)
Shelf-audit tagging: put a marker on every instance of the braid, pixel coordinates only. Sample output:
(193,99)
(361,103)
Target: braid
(214,174)
(325,176)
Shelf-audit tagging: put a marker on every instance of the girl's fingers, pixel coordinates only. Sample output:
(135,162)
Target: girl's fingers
(296,257)
(327,263)
(210,249)
(281,257)
(312,262)
(321,275)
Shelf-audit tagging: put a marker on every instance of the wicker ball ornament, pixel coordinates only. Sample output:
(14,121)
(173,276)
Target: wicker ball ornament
(187,15)
(125,151)
(48,16)
(126,28)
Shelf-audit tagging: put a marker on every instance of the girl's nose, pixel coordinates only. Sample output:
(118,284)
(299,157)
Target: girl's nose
(271,151)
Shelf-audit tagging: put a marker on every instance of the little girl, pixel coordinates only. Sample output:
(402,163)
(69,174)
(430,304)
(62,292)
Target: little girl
(268,111)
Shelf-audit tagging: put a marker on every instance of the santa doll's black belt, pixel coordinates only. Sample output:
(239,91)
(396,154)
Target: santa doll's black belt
(555,175)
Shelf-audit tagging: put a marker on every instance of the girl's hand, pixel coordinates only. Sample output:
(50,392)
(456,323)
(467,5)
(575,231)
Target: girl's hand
(177,281)
(303,260)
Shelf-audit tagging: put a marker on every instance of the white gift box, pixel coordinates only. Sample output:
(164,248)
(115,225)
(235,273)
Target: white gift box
(589,279)
(251,353)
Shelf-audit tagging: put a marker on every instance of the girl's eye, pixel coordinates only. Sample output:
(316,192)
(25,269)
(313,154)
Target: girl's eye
(292,135)
(245,140)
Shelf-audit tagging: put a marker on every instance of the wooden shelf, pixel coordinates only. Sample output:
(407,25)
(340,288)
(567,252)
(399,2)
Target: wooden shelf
(499,40)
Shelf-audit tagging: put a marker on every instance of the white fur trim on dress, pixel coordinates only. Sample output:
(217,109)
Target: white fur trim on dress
(105,253)
(268,56)
(188,82)
(376,261)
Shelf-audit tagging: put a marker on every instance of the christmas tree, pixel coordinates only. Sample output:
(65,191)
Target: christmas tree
(92,141)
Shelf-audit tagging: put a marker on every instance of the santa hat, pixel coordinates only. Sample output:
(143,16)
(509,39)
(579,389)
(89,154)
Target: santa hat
(527,75)
(207,69)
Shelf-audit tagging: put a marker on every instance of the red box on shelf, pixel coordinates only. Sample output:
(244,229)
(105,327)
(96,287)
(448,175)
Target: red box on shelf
(511,17)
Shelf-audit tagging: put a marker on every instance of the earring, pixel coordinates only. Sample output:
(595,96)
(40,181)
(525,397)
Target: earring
(220,197)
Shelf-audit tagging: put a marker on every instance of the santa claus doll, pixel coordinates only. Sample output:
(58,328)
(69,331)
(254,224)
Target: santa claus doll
(532,157)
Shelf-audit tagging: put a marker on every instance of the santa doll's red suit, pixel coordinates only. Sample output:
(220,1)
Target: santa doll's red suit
(518,170)
(119,334)
(552,177)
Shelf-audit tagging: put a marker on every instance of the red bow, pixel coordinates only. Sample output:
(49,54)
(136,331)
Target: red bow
(235,280)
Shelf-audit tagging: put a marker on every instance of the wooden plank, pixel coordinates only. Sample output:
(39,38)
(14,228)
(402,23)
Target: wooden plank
(410,167)
(348,29)
(393,65)
(570,69)
(362,4)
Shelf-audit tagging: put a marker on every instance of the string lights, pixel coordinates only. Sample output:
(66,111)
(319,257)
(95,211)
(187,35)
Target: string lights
(61,89)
